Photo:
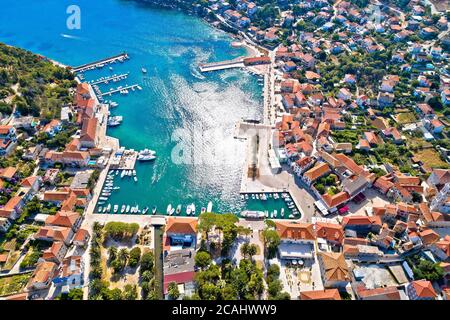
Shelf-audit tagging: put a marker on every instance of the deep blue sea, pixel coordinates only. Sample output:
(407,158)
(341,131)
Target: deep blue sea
(187,117)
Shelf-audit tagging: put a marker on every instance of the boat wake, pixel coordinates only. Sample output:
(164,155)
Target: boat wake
(195,73)
(157,174)
(68,36)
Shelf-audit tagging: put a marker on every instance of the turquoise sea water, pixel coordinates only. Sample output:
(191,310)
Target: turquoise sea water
(178,109)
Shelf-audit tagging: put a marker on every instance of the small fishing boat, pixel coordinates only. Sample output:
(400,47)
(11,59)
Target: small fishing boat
(127,209)
(134,172)
(178,209)
(253,196)
(100,209)
(257,196)
(193,209)
(282,212)
(263,197)
(203,210)
(169,208)
(145,210)
(104,209)
(188,210)
(122,210)
(144,70)
(246,196)
(154,210)
(103,198)
(242,197)
(108,208)
(266,213)
(135,179)
(116,208)
(291,216)
(275,213)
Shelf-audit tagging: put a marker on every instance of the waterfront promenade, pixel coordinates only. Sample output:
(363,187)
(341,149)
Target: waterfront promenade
(268,181)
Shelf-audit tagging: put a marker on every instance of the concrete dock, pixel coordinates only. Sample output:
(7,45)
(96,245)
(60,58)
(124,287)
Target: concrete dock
(222,65)
(96,64)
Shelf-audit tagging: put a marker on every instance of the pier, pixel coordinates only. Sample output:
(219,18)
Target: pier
(113,78)
(222,65)
(100,63)
(120,89)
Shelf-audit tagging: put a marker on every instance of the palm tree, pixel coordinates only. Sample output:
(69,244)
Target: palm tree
(123,255)
(112,253)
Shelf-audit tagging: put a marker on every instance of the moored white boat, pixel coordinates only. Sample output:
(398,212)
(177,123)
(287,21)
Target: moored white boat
(209,207)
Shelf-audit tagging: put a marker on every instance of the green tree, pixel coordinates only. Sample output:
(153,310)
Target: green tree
(202,259)
(130,292)
(271,242)
(135,257)
(173,291)
(112,253)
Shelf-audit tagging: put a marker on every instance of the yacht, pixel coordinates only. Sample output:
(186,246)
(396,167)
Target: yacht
(209,207)
(146,155)
(253,214)
(134,172)
(114,121)
(263,197)
(267,213)
(178,209)
(242,197)
(113,104)
(291,216)
(253,196)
